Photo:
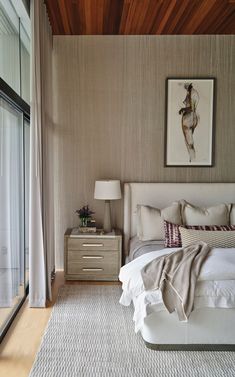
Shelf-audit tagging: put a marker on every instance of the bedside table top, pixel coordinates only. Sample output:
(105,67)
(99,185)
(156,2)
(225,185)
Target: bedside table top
(77,234)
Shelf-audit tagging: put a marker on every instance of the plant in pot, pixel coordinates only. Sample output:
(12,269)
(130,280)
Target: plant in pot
(85,215)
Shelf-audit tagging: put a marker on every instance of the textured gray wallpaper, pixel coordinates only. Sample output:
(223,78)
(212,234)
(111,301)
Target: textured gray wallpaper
(109,114)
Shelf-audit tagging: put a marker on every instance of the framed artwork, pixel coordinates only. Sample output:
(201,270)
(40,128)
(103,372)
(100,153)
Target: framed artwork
(189,121)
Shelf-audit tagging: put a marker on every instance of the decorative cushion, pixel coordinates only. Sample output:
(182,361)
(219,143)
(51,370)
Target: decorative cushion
(214,238)
(216,215)
(150,221)
(173,235)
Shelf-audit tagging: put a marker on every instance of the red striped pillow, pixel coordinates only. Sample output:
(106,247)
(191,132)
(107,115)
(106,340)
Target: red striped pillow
(173,237)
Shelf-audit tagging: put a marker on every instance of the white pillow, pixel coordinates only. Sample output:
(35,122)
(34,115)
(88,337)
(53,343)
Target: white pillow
(214,238)
(216,215)
(150,221)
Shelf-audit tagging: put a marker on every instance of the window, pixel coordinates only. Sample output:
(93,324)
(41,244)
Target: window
(15,47)
(10,48)
(25,64)
(14,160)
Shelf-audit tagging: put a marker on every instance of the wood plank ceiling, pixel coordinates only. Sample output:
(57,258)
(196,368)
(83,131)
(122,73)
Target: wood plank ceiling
(139,17)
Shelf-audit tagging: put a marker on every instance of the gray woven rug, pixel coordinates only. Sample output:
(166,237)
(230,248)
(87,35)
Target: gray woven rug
(91,334)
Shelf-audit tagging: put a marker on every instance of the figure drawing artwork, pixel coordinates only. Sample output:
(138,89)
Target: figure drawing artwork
(189,126)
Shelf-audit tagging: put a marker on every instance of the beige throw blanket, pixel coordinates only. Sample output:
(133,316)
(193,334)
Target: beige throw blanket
(176,275)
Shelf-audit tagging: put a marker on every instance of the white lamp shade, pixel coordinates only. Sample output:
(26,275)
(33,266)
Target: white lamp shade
(107,190)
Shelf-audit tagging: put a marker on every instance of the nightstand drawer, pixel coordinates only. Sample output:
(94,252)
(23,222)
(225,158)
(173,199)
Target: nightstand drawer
(93,256)
(97,263)
(93,243)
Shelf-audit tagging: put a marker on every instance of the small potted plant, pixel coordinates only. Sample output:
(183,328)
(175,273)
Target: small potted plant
(85,215)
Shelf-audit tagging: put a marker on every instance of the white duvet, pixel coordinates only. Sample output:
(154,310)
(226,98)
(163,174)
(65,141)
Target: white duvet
(215,286)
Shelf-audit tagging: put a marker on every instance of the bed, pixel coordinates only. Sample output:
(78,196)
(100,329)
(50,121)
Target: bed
(207,327)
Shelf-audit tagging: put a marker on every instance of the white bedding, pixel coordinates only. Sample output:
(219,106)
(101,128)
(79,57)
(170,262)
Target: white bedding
(215,286)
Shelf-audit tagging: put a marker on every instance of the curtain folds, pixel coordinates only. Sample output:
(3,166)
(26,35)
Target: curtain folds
(41,220)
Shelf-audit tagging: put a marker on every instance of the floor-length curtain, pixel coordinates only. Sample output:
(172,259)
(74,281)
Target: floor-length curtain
(41,221)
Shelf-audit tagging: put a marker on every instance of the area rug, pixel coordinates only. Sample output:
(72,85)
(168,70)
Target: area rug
(90,334)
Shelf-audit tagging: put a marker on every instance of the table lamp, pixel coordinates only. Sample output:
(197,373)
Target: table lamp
(107,190)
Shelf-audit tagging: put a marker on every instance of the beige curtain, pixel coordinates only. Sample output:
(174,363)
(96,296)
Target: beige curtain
(41,221)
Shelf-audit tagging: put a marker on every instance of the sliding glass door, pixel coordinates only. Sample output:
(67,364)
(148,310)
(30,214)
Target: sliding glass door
(14,176)
(14,158)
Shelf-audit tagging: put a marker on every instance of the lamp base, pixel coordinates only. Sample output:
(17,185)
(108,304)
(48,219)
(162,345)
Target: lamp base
(107,217)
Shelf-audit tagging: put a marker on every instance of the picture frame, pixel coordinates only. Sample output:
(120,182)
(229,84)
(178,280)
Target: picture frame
(189,129)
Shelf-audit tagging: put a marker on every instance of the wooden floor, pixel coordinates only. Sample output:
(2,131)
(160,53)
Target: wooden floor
(19,347)
(6,312)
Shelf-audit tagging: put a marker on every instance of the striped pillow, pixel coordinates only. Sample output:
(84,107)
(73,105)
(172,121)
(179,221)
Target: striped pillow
(173,234)
(214,238)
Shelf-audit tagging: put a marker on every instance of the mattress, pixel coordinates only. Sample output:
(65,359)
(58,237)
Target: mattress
(215,287)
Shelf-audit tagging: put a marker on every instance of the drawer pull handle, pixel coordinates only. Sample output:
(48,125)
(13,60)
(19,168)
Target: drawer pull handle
(92,269)
(93,244)
(92,257)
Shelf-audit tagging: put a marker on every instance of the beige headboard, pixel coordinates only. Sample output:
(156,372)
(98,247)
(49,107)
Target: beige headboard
(161,195)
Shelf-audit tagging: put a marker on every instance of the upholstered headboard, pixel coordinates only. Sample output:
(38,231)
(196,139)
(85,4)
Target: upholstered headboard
(161,195)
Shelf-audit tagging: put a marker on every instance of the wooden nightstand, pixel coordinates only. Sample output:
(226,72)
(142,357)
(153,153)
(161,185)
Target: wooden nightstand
(92,256)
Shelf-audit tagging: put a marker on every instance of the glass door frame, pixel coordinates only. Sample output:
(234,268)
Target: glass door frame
(12,98)
(25,120)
